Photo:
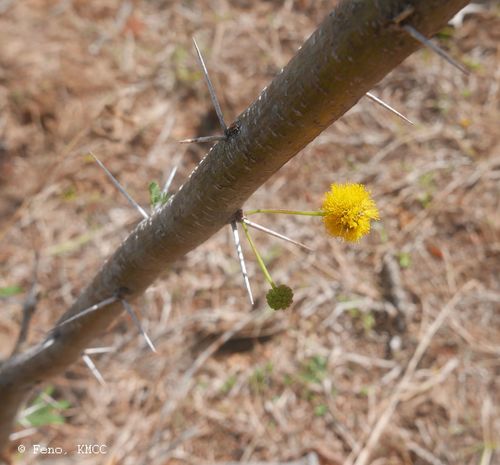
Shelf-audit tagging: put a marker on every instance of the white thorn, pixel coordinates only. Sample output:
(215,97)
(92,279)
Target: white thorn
(168,183)
(275,234)
(91,309)
(99,350)
(241,259)
(387,106)
(435,48)
(202,139)
(136,321)
(91,365)
(211,89)
(121,189)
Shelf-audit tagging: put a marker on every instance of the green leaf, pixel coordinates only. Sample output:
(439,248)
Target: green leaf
(9,291)
(45,416)
(228,384)
(368,321)
(320,410)
(315,370)
(365,391)
(404,259)
(156,196)
(69,194)
(47,413)
(261,377)
(154,193)
(287,380)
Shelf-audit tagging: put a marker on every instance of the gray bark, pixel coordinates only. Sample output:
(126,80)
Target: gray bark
(354,47)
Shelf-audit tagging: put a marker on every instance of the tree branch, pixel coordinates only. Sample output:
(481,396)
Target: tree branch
(354,47)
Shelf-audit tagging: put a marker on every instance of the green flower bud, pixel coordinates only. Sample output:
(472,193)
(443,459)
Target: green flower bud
(279,297)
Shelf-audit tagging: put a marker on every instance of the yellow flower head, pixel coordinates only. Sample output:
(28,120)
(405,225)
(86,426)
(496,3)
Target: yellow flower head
(348,209)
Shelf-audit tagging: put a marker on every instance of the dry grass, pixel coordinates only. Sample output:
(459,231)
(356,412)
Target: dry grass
(370,365)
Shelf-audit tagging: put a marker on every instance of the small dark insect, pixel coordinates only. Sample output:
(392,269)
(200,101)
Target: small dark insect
(233,129)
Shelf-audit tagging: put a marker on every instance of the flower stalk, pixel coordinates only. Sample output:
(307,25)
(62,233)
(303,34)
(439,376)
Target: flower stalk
(260,261)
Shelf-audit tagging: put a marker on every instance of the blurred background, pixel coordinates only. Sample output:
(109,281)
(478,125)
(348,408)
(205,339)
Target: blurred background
(120,79)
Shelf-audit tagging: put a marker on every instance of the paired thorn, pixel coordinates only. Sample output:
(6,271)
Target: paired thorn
(275,234)
(120,188)
(90,363)
(100,305)
(137,323)
(92,367)
(239,218)
(387,106)
(241,259)
(211,89)
(435,48)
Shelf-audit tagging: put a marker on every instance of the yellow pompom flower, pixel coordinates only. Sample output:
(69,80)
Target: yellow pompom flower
(348,210)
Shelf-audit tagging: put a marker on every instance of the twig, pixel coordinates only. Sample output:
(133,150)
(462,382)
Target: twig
(417,449)
(241,259)
(121,189)
(488,431)
(91,365)
(439,378)
(29,308)
(120,21)
(21,434)
(487,455)
(275,234)
(202,139)
(165,451)
(136,321)
(394,291)
(387,107)
(211,89)
(432,46)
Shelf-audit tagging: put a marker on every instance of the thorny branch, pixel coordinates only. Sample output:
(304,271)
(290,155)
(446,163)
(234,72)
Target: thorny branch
(354,48)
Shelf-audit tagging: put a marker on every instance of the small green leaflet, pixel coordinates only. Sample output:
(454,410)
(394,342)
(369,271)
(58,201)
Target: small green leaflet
(156,196)
(45,413)
(9,291)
